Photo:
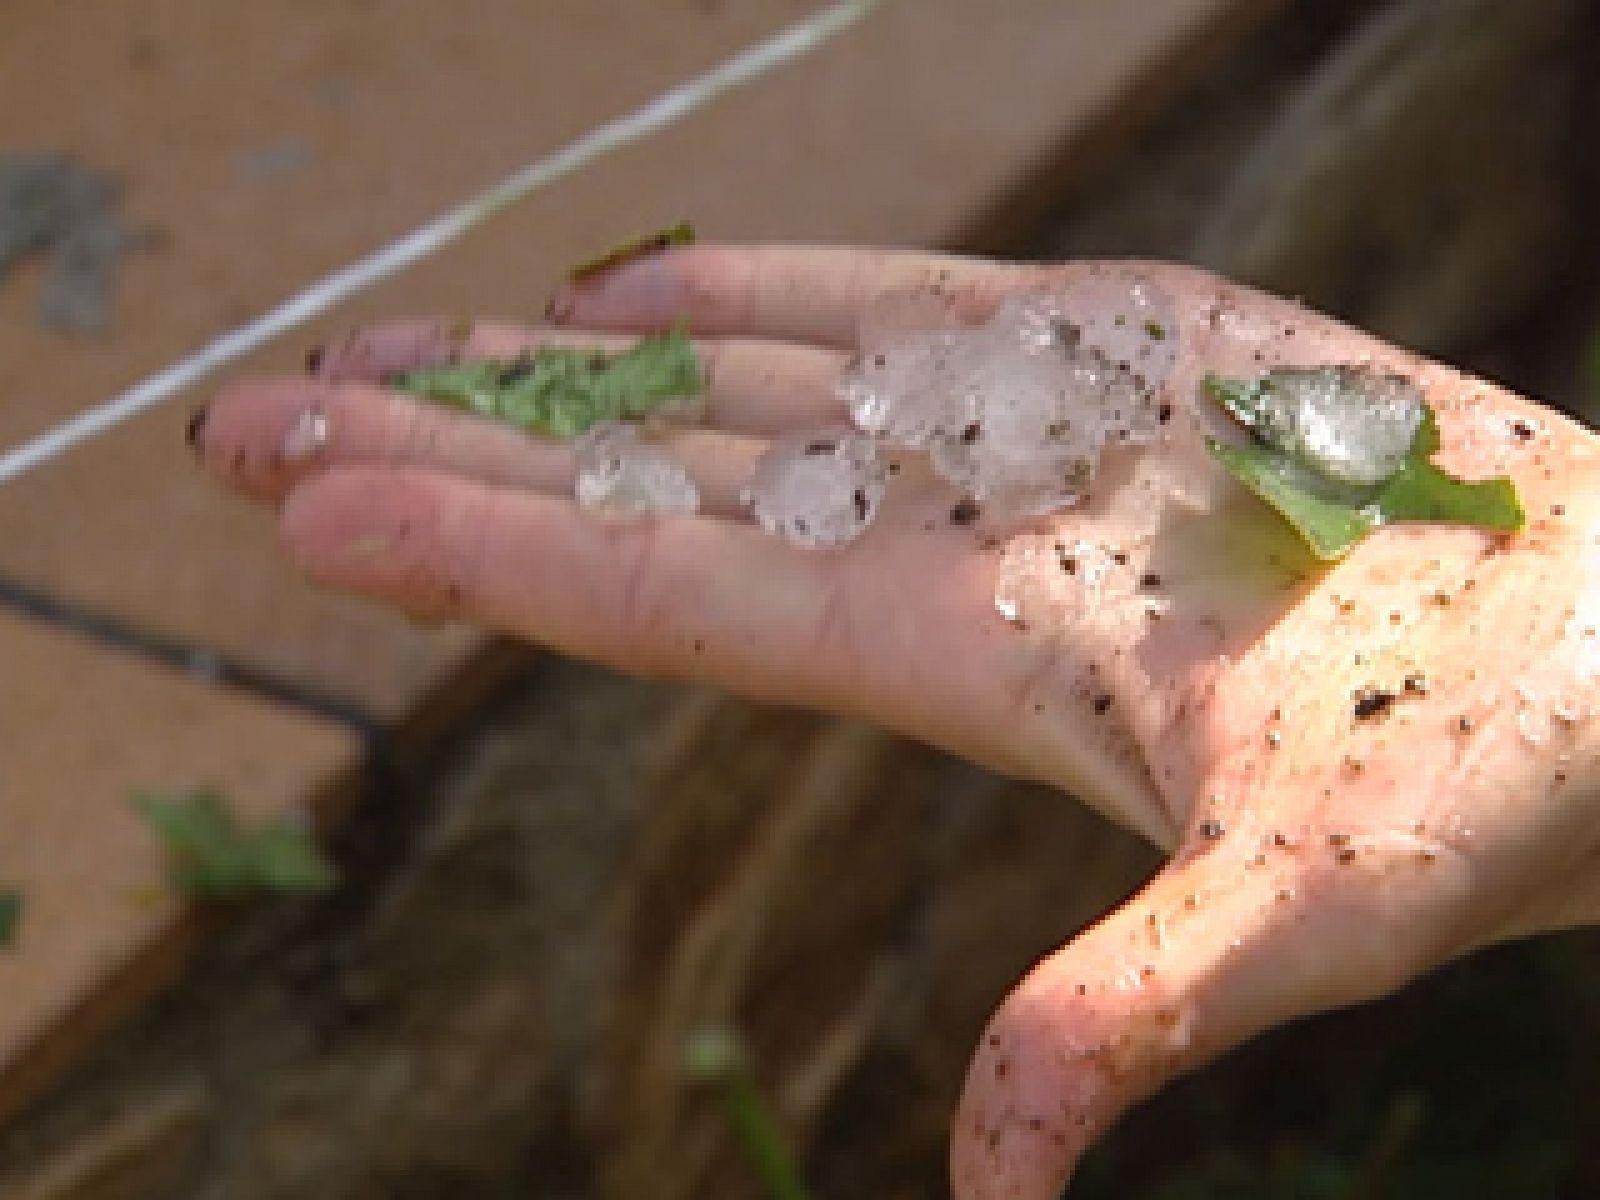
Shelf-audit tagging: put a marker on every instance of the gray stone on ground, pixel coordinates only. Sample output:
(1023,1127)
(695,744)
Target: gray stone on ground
(53,206)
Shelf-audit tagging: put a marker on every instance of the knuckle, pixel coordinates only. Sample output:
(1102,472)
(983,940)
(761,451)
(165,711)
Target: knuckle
(718,284)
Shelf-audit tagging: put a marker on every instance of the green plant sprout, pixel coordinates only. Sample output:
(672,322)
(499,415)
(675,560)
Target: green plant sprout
(1331,514)
(680,234)
(561,392)
(716,1056)
(11,906)
(216,857)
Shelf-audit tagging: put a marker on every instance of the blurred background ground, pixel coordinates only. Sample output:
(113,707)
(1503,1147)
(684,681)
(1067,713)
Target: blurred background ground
(540,913)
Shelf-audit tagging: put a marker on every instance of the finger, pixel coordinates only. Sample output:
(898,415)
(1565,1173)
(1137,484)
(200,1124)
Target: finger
(685,597)
(264,437)
(1220,946)
(752,386)
(814,294)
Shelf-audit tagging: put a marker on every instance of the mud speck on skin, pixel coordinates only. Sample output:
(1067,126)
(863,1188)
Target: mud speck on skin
(1372,702)
(965,511)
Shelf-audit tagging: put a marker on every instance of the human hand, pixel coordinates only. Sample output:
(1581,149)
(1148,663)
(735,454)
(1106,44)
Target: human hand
(1359,771)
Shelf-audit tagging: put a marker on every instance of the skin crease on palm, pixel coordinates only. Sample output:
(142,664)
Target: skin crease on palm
(1359,771)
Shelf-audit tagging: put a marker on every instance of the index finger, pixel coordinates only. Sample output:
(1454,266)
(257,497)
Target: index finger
(814,294)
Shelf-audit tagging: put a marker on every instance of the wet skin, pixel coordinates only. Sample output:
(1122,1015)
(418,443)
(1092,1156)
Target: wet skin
(1359,772)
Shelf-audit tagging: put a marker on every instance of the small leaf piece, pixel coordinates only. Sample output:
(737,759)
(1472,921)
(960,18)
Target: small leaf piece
(214,856)
(680,234)
(716,1055)
(561,392)
(1420,491)
(1328,527)
(11,906)
(1332,514)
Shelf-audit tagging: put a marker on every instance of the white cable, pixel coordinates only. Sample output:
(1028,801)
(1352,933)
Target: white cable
(666,109)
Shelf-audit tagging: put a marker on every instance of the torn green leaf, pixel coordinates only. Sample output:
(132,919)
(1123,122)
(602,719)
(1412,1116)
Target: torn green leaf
(1330,512)
(681,234)
(561,392)
(11,906)
(213,855)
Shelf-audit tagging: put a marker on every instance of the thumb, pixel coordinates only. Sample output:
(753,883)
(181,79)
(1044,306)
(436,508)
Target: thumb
(1236,935)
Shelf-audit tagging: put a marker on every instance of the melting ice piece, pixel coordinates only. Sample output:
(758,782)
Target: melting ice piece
(1017,411)
(1350,423)
(817,489)
(912,387)
(1124,322)
(1029,444)
(1048,581)
(1063,374)
(622,476)
(1120,334)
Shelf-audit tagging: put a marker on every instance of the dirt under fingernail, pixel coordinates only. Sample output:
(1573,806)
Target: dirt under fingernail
(194,432)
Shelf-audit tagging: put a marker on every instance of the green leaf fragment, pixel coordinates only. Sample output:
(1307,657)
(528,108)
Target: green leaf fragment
(561,391)
(1240,397)
(11,906)
(1327,526)
(680,234)
(1332,515)
(716,1056)
(213,855)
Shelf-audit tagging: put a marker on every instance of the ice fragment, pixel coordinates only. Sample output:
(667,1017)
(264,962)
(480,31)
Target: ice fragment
(1350,423)
(817,489)
(1048,581)
(1017,411)
(908,389)
(623,477)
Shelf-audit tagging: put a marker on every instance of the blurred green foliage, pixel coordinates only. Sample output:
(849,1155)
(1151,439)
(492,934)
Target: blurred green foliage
(11,905)
(214,855)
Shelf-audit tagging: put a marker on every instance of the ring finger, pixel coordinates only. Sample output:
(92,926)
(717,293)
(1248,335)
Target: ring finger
(266,436)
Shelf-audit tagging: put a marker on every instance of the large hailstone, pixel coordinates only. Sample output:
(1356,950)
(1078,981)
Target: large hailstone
(1016,412)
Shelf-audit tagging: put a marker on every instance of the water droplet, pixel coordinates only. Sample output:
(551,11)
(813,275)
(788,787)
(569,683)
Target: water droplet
(1350,423)
(1048,581)
(307,438)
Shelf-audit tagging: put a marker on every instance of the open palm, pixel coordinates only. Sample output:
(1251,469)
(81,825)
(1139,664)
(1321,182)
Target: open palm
(1359,772)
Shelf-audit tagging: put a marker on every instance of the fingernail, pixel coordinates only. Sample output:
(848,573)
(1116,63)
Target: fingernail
(314,357)
(195,430)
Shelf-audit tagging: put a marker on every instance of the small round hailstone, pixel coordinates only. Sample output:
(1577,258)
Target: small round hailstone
(817,489)
(623,477)
(1350,423)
